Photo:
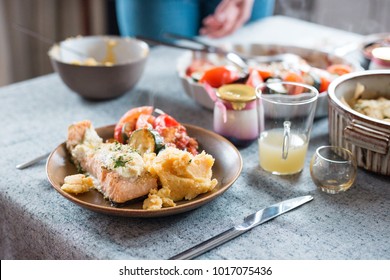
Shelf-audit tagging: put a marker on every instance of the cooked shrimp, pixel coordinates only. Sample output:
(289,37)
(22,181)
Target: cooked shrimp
(129,120)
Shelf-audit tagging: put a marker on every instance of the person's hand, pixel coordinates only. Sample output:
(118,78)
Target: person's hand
(227,18)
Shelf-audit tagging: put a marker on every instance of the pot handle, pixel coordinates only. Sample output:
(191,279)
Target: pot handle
(370,138)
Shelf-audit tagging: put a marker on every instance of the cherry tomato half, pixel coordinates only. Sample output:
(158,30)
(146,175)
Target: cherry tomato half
(265,73)
(293,77)
(324,84)
(339,69)
(164,120)
(218,76)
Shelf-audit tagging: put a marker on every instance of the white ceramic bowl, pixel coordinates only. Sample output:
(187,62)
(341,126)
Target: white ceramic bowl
(369,42)
(102,81)
(367,138)
(315,58)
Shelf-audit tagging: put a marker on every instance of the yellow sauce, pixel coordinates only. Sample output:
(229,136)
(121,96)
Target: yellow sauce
(110,58)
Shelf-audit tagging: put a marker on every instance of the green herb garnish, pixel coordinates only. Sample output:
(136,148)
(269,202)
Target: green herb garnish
(119,162)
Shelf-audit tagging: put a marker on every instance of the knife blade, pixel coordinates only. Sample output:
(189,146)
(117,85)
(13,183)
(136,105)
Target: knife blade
(251,221)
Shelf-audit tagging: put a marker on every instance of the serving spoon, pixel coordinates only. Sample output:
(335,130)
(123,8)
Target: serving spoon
(239,60)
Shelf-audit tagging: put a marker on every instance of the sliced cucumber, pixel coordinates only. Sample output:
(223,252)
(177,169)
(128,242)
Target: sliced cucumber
(146,141)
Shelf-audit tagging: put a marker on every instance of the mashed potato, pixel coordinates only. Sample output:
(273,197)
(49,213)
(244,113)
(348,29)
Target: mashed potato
(181,174)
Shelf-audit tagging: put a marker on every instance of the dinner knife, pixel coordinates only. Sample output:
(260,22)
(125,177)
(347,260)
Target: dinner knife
(251,221)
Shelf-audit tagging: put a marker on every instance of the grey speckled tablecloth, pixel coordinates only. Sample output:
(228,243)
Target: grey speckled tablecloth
(36,222)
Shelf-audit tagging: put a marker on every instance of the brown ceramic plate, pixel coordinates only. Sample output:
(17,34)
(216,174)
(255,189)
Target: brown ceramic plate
(226,169)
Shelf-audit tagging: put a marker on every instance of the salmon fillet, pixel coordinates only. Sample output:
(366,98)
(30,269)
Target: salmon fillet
(119,170)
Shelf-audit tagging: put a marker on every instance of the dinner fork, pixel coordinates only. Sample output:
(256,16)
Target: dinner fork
(33,161)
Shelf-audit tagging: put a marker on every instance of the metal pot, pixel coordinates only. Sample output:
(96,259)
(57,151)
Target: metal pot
(367,138)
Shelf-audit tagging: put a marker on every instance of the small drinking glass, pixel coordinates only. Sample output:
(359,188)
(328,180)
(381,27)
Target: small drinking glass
(333,169)
(286,111)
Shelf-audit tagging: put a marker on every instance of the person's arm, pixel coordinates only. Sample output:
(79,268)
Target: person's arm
(227,18)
